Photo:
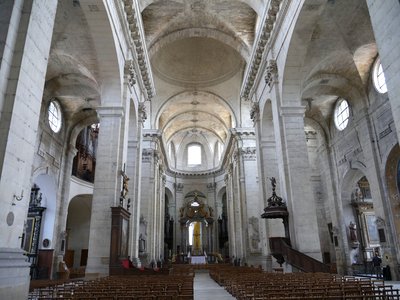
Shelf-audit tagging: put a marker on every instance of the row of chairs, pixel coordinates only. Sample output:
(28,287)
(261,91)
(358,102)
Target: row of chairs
(250,283)
(163,287)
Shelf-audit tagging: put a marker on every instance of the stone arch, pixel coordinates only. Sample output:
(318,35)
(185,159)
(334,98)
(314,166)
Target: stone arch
(304,22)
(111,71)
(181,94)
(392,178)
(78,228)
(256,5)
(267,122)
(233,42)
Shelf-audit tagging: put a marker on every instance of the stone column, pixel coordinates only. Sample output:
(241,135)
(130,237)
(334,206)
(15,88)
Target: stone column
(23,68)
(133,172)
(107,187)
(296,174)
(150,192)
(237,197)
(386,23)
(161,215)
(230,209)
(179,200)
(62,205)
(211,202)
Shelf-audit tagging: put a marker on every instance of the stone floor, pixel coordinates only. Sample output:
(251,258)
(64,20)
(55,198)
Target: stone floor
(205,288)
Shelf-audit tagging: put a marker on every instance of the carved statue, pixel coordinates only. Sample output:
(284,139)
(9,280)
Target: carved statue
(255,235)
(273,182)
(125,189)
(353,232)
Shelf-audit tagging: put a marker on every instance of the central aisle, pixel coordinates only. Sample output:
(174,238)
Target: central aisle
(205,288)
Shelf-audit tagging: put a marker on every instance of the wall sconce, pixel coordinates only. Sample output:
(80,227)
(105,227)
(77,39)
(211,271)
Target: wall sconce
(18,198)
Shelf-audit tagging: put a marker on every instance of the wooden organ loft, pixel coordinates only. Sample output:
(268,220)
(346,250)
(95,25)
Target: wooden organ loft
(84,164)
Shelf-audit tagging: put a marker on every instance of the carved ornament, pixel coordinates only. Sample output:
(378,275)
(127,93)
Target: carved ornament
(135,27)
(261,42)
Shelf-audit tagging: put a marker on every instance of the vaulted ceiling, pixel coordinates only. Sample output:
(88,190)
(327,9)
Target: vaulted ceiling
(198,51)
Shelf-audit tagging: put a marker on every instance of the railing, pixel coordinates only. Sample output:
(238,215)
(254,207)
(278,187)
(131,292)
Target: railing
(280,248)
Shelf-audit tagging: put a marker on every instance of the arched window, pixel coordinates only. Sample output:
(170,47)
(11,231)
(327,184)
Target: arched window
(378,77)
(194,154)
(54,116)
(220,149)
(342,114)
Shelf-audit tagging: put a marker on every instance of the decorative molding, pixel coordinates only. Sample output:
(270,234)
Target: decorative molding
(142,114)
(211,186)
(292,111)
(310,135)
(110,111)
(147,154)
(178,187)
(130,72)
(133,17)
(258,52)
(271,73)
(249,153)
(226,179)
(385,132)
(255,112)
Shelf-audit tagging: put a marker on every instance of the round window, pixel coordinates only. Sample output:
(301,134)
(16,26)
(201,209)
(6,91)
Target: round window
(379,77)
(342,114)
(54,116)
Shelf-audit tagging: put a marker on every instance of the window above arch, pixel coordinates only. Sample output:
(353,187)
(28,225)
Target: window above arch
(378,77)
(341,114)
(54,116)
(194,154)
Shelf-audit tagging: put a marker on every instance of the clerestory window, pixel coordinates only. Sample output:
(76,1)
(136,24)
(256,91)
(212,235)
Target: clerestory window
(342,114)
(378,77)
(194,154)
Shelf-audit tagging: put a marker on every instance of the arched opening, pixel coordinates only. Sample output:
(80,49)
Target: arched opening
(361,223)
(77,236)
(392,171)
(84,164)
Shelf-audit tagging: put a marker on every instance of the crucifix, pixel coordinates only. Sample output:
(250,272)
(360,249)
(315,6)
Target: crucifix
(125,189)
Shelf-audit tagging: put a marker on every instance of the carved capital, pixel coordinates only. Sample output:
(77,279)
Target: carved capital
(178,187)
(248,153)
(211,186)
(147,155)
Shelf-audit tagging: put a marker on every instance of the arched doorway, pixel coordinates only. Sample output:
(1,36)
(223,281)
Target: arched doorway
(196,219)
(78,228)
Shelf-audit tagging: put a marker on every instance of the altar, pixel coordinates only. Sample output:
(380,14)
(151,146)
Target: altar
(198,260)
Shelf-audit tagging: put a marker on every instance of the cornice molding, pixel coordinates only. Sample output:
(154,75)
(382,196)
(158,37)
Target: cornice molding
(261,41)
(134,19)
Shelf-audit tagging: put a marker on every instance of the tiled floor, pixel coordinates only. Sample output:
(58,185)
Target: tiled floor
(206,289)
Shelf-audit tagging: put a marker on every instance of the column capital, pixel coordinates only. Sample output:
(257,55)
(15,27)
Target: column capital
(292,111)
(110,111)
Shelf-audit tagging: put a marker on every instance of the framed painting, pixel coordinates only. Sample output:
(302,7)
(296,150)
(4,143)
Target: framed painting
(29,229)
(371,229)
